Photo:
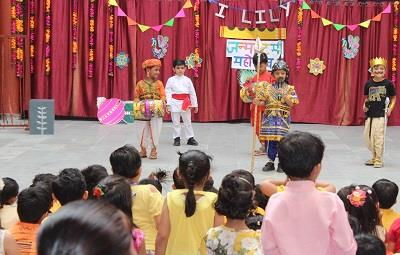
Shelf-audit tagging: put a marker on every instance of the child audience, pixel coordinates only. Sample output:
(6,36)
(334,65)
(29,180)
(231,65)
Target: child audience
(127,215)
(8,196)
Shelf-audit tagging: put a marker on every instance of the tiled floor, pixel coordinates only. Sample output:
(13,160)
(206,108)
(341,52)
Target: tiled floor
(81,143)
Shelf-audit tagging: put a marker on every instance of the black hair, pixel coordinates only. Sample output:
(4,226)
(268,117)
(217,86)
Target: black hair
(85,228)
(33,203)
(178,62)
(235,197)
(387,192)
(117,191)
(263,58)
(355,225)
(93,175)
(367,214)
(299,153)
(209,185)
(342,194)
(9,191)
(70,185)
(156,179)
(368,244)
(260,199)
(178,181)
(247,175)
(194,168)
(44,180)
(126,161)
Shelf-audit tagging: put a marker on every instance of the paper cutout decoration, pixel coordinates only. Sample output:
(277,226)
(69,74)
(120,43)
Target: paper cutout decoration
(243,75)
(352,27)
(128,114)
(193,61)
(122,60)
(159,46)
(110,111)
(252,33)
(144,28)
(350,46)
(316,66)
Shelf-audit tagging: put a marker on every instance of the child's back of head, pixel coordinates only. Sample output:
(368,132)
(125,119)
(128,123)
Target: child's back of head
(86,228)
(33,204)
(69,186)
(194,168)
(369,245)
(156,179)
(44,180)
(235,197)
(387,192)
(299,153)
(177,179)
(8,191)
(126,161)
(93,175)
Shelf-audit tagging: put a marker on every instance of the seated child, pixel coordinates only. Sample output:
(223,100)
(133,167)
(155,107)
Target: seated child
(32,206)
(69,186)
(93,175)
(369,245)
(8,246)
(299,216)
(156,179)
(8,196)
(235,200)
(393,237)
(387,195)
(47,180)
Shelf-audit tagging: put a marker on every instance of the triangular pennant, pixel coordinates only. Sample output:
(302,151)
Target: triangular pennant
(365,23)
(326,22)
(157,28)
(352,27)
(121,13)
(314,15)
(180,14)
(338,27)
(305,6)
(131,22)
(143,28)
(188,4)
(388,9)
(169,23)
(112,2)
(377,17)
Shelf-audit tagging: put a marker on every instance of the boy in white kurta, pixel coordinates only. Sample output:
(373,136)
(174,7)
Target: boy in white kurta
(181,97)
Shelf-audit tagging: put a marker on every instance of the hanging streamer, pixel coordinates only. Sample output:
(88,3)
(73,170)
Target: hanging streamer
(395,40)
(197,36)
(299,34)
(74,33)
(32,25)
(17,43)
(47,30)
(111,42)
(92,26)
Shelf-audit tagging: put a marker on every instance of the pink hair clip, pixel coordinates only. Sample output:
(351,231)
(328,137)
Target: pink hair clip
(358,196)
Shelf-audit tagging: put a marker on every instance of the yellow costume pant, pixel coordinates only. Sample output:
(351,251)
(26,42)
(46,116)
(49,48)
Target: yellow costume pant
(374,133)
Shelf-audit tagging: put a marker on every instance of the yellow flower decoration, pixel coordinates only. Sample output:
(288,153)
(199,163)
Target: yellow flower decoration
(316,66)
(19,25)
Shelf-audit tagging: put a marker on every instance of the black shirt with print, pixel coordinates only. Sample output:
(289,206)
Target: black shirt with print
(377,93)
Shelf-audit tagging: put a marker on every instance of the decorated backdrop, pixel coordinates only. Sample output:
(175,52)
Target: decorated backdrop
(81,50)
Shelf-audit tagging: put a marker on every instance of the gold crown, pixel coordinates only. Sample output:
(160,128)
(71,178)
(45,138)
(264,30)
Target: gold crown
(377,61)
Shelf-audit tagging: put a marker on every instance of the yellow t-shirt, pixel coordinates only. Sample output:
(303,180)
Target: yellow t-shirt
(147,203)
(388,216)
(55,207)
(187,233)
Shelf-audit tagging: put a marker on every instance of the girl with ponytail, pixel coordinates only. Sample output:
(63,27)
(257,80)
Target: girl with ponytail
(188,213)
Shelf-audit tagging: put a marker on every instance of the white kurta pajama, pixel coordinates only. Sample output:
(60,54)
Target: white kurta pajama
(180,85)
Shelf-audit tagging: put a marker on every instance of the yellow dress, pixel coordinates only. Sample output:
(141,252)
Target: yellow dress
(147,203)
(187,232)
(388,217)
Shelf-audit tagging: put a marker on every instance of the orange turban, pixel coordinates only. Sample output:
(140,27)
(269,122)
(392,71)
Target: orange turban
(151,62)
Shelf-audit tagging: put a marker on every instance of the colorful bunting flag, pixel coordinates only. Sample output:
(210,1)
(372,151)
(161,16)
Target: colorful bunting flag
(377,17)
(157,28)
(365,23)
(188,4)
(352,27)
(121,13)
(314,15)
(326,22)
(112,3)
(143,28)
(170,22)
(180,14)
(131,22)
(338,27)
(388,9)
(305,6)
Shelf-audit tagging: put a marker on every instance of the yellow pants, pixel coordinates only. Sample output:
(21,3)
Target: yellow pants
(374,133)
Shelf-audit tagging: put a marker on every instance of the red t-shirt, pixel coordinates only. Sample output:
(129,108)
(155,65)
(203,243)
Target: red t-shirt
(394,234)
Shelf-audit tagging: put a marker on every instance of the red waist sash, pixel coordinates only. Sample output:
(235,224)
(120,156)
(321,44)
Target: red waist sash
(183,97)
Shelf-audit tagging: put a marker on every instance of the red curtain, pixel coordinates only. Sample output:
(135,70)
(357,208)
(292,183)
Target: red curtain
(335,97)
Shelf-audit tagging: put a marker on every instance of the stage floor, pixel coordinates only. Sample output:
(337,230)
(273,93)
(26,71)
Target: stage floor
(82,143)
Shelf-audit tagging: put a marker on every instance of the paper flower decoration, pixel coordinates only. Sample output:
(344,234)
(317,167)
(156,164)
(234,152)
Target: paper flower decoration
(122,60)
(316,66)
(357,197)
(350,46)
(193,61)
(159,46)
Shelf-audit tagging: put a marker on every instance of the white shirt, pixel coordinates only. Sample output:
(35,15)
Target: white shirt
(179,85)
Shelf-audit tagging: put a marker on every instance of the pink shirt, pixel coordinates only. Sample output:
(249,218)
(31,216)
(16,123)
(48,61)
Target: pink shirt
(304,221)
